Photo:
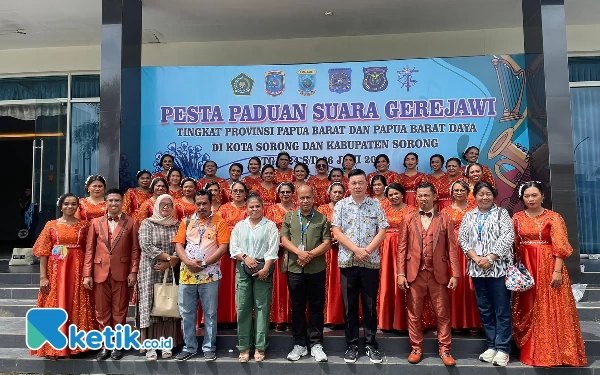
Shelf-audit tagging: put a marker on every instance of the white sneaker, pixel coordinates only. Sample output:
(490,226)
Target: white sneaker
(500,359)
(297,352)
(317,352)
(487,356)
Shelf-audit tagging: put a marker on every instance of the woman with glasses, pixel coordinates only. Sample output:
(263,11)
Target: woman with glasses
(283,172)
(166,163)
(253,178)
(186,206)
(92,206)
(382,167)
(134,197)
(174,178)
(411,178)
(320,181)
(158,187)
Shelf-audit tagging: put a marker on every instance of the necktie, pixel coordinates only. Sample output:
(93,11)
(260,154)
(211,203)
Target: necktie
(428,214)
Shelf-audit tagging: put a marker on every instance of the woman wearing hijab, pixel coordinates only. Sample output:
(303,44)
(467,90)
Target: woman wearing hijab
(158,256)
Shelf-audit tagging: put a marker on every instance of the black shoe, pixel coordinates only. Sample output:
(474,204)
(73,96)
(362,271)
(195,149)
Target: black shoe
(116,355)
(351,354)
(210,356)
(373,354)
(184,356)
(103,354)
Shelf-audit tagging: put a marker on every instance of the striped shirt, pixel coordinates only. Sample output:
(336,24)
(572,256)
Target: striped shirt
(260,242)
(497,236)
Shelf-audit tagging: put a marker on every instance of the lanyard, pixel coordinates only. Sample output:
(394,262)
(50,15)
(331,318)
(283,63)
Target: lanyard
(205,227)
(481,222)
(303,229)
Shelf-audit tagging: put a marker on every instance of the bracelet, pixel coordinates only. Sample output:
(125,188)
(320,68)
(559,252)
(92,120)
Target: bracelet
(559,272)
(401,274)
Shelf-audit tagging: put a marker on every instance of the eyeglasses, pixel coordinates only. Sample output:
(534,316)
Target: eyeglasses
(238,191)
(321,165)
(167,205)
(460,191)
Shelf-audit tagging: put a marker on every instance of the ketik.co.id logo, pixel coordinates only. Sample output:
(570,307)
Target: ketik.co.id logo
(44,326)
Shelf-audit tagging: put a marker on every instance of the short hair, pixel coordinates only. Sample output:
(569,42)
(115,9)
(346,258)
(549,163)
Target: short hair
(243,185)
(303,166)
(155,181)
(113,191)
(288,184)
(62,198)
(255,158)
(462,183)
(324,159)
(376,178)
(174,169)
(188,179)
(265,167)
(212,183)
(162,158)
(469,168)
(283,153)
(387,159)
(336,169)
(426,185)
(254,196)
(464,154)
(330,188)
(535,184)
(484,184)
(351,156)
(395,186)
(239,165)
(206,162)
(204,193)
(409,154)
(356,172)
(93,178)
(436,156)
(141,173)
(457,160)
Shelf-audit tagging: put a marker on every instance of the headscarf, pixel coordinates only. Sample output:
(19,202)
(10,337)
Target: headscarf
(156,218)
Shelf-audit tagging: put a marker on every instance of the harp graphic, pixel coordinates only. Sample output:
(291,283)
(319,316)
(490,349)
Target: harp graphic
(511,80)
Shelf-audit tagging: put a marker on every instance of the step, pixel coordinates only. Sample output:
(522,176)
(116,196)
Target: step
(19,361)
(590,278)
(19,291)
(19,307)
(588,311)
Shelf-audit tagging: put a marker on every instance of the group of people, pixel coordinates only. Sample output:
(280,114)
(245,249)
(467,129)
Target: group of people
(399,251)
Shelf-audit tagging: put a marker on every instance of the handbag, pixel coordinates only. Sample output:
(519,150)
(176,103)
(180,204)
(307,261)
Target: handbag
(283,263)
(165,298)
(260,266)
(518,278)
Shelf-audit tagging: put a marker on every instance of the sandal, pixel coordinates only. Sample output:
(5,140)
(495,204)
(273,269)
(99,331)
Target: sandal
(244,356)
(167,353)
(151,355)
(259,355)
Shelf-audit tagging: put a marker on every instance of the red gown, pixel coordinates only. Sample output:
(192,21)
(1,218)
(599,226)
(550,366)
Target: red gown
(88,211)
(320,186)
(145,211)
(176,194)
(160,174)
(442,187)
(223,185)
(284,177)
(184,209)
(390,176)
(545,322)
(334,305)
(487,174)
(281,306)
(133,199)
(463,305)
(410,184)
(226,312)
(385,203)
(269,196)
(251,182)
(64,273)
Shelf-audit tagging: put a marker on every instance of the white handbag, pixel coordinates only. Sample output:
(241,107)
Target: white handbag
(165,298)
(22,256)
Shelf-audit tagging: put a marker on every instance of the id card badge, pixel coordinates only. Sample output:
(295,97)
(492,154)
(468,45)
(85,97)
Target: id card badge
(301,247)
(479,249)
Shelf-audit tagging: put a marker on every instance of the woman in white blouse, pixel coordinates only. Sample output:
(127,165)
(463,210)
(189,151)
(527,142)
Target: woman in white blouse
(254,244)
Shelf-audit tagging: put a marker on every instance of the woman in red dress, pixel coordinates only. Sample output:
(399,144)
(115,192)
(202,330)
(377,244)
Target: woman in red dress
(474,174)
(470,156)
(93,206)
(253,178)
(453,174)
(334,305)
(348,163)
(382,167)
(158,187)
(232,212)
(217,195)
(411,178)
(186,206)
(267,189)
(436,178)
(391,307)
(166,163)
(134,197)
(337,175)
(545,322)
(174,178)
(301,173)
(209,169)
(463,305)
(235,173)
(281,304)
(283,172)
(61,249)
(377,186)
(320,182)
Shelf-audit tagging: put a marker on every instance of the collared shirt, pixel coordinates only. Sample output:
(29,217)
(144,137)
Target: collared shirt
(112,225)
(260,242)
(360,223)
(318,231)
(426,220)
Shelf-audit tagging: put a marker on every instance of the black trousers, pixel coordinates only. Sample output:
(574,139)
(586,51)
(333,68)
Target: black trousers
(307,287)
(365,281)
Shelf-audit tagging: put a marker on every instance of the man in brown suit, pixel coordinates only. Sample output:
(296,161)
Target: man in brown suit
(111,263)
(425,247)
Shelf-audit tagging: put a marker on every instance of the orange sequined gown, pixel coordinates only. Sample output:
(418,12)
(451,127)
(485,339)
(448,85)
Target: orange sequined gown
(160,174)
(223,185)
(385,203)
(251,182)
(184,209)
(133,199)
(284,177)
(176,194)
(334,304)
(410,184)
(281,308)
(390,176)
(442,187)
(463,305)
(66,280)
(226,312)
(545,322)
(269,196)
(146,210)
(88,210)
(487,174)
(320,186)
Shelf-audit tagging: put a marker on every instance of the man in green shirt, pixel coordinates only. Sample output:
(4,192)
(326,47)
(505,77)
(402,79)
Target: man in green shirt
(306,235)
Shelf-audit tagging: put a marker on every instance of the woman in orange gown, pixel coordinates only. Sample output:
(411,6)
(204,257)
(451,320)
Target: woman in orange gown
(134,197)
(166,163)
(209,169)
(411,178)
(337,175)
(545,322)
(443,185)
(348,163)
(474,173)
(235,173)
(391,307)
(185,206)
(267,189)
(301,173)
(470,156)
(217,194)
(283,172)
(377,186)
(320,181)
(281,305)
(463,305)
(158,187)
(253,178)
(382,167)
(334,305)
(61,249)
(174,178)
(436,178)
(93,206)
(232,212)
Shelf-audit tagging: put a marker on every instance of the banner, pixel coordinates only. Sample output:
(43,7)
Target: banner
(230,113)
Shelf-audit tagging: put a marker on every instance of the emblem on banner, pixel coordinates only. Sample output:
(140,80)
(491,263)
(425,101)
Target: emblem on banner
(405,77)
(307,80)
(339,80)
(375,79)
(242,84)
(274,84)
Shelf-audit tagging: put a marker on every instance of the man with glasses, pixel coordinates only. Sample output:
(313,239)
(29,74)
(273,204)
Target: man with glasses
(359,225)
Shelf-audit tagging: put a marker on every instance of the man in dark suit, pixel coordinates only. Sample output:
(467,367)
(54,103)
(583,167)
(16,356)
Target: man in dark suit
(111,263)
(426,245)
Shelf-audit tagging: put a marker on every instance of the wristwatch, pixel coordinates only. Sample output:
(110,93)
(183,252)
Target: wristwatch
(204,265)
(244,256)
(490,259)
